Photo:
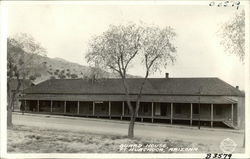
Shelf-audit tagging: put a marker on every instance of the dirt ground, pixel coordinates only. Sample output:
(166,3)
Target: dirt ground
(34,131)
(26,139)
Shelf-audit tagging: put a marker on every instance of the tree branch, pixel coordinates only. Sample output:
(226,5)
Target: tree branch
(126,65)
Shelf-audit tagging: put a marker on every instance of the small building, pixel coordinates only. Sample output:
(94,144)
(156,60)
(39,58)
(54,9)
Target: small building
(209,101)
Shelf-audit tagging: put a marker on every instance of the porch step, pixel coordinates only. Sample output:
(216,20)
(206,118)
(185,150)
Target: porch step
(229,124)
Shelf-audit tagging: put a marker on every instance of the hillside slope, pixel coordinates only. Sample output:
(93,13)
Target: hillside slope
(46,68)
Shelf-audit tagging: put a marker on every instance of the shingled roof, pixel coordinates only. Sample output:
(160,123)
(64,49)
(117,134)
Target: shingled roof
(153,86)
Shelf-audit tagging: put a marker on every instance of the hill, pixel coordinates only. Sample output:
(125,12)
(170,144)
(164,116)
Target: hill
(45,68)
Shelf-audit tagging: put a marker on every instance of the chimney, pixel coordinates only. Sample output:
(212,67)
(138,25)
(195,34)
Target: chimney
(237,87)
(166,75)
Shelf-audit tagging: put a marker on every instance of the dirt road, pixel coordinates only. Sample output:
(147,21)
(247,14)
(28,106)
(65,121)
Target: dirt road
(100,126)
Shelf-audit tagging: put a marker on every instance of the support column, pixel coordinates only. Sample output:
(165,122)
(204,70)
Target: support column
(122,110)
(51,106)
(93,108)
(191,114)
(38,105)
(64,107)
(109,110)
(78,107)
(232,113)
(138,110)
(152,112)
(171,115)
(25,105)
(212,115)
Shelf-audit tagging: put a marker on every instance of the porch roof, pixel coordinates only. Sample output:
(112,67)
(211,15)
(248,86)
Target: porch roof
(145,98)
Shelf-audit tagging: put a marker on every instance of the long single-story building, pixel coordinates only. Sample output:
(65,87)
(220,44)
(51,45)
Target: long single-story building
(209,101)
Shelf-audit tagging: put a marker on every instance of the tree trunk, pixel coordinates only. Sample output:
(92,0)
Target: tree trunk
(9,109)
(11,99)
(131,110)
(9,116)
(131,127)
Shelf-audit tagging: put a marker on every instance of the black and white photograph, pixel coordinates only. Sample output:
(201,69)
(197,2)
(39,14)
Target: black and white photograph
(125,79)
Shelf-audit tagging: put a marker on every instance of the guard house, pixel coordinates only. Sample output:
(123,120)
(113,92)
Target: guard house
(171,100)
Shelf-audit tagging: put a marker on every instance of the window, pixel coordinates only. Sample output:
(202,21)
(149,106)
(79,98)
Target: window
(195,109)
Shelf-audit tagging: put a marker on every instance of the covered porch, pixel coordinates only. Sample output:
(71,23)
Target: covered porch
(148,111)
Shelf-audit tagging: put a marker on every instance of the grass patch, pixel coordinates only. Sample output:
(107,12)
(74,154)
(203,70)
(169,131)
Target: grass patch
(23,139)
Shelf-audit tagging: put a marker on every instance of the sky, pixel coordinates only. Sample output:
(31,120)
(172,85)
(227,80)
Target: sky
(65,30)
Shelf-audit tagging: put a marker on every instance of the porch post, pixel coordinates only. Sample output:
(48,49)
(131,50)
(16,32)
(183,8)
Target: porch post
(51,106)
(38,105)
(138,110)
(122,110)
(78,107)
(109,110)
(93,108)
(232,113)
(191,114)
(25,105)
(171,116)
(212,115)
(64,107)
(152,111)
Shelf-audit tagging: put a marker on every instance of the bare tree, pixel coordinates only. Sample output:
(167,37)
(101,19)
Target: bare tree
(20,51)
(233,38)
(95,73)
(116,48)
(233,35)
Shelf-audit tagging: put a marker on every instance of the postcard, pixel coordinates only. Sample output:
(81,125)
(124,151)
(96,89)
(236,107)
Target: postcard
(125,79)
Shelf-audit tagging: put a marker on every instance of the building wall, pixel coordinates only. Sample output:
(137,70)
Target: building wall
(71,107)
(86,108)
(205,111)
(223,111)
(101,108)
(116,108)
(181,110)
(239,119)
(58,106)
(44,106)
(162,109)
(145,109)
(31,105)
(241,112)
